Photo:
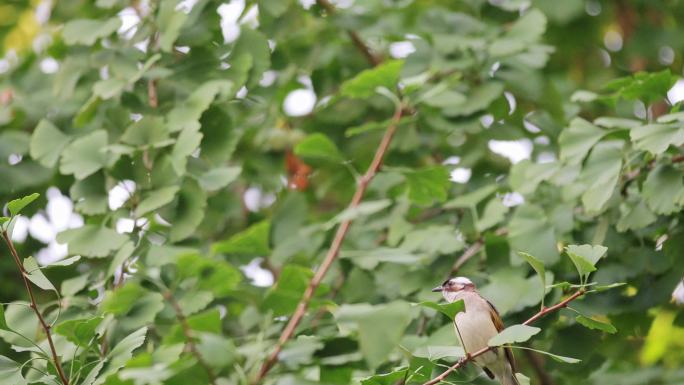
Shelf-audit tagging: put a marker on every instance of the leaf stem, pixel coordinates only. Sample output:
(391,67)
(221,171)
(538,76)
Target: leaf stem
(470,357)
(34,305)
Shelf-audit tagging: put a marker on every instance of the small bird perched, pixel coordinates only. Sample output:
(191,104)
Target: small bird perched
(476,325)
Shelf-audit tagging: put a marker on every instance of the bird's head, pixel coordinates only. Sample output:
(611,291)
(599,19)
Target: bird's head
(454,285)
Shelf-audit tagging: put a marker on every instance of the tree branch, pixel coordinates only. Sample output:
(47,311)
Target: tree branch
(470,357)
(34,305)
(334,249)
(360,45)
(187,333)
(471,252)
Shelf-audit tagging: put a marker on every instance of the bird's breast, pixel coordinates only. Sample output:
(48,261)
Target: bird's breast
(475,327)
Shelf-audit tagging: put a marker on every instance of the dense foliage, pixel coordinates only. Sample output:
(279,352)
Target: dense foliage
(190,157)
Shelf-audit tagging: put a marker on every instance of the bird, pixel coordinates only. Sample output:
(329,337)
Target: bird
(474,326)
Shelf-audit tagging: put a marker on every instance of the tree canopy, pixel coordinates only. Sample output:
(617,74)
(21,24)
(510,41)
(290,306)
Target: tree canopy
(264,192)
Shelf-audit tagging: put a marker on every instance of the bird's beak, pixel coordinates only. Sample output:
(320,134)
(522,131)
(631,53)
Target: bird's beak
(437,289)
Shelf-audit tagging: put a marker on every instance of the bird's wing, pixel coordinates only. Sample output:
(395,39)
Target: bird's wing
(498,323)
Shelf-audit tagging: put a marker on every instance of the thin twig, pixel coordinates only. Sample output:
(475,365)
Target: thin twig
(189,340)
(360,45)
(470,357)
(471,252)
(152,99)
(334,250)
(34,305)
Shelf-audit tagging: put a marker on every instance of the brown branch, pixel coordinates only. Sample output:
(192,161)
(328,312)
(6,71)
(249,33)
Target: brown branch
(470,357)
(471,252)
(189,340)
(152,98)
(537,364)
(360,45)
(34,305)
(334,250)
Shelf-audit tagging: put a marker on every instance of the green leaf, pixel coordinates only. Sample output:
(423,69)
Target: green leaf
(663,189)
(379,125)
(385,378)
(363,209)
(208,321)
(47,143)
(364,84)
(3,321)
(478,99)
(190,210)
(380,327)
(92,240)
(169,21)
(253,44)
(150,131)
(155,199)
(592,253)
(35,275)
(526,176)
(10,372)
(88,31)
(15,206)
(122,300)
(187,143)
(595,324)
(213,275)
(600,175)
(186,115)
(65,262)
(318,146)
(513,334)
(584,258)
(525,31)
(634,214)
(122,352)
(448,309)
(4,220)
(218,178)
(538,267)
(90,194)
(644,86)
(471,199)
(85,155)
(657,137)
(434,240)
(576,140)
(369,259)
(494,213)
(612,122)
(530,232)
(555,357)
(282,299)
(253,241)
(428,185)
(583,96)
(79,331)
